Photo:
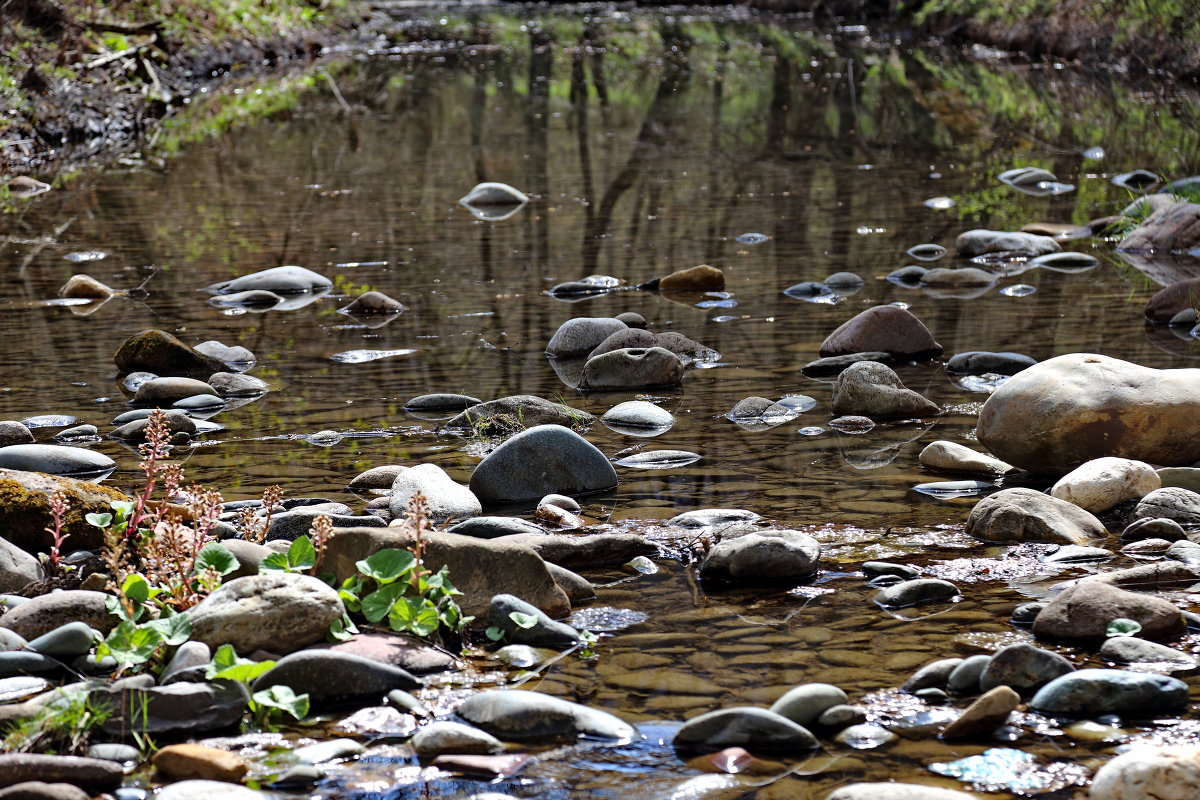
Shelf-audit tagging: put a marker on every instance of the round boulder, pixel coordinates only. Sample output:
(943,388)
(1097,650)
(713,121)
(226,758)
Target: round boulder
(539,461)
(1101,483)
(874,390)
(446,499)
(1091,692)
(517,714)
(632,368)
(579,336)
(743,726)
(1173,772)
(1083,611)
(1024,515)
(769,555)
(277,612)
(889,329)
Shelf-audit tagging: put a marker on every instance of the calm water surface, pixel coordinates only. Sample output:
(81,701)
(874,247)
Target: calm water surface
(649,144)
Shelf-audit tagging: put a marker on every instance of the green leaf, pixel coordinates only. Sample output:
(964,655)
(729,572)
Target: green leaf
(301,555)
(276,562)
(282,697)
(216,556)
(175,629)
(494,633)
(136,588)
(522,620)
(122,507)
(378,604)
(99,520)
(130,644)
(341,629)
(226,664)
(415,615)
(387,565)
(1122,627)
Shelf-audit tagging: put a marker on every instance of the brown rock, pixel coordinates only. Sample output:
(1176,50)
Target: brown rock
(1150,577)
(702,278)
(479,568)
(630,337)
(1082,613)
(374,303)
(182,762)
(85,287)
(986,714)
(1057,229)
(874,390)
(1058,414)
(1169,301)
(39,790)
(163,354)
(25,510)
(1175,228)
(585,550)
(888,329)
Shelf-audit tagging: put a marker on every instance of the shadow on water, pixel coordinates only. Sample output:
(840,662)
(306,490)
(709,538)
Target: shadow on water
(648,143)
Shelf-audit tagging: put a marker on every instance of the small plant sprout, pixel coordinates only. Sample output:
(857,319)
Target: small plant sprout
(58,512)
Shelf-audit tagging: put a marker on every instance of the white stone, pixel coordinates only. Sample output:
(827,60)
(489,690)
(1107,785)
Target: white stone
(954,457)
(447,499)
(1101,483)
(1161,773)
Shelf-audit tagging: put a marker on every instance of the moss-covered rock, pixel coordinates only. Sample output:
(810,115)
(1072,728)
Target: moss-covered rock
(25,510)
(163,354)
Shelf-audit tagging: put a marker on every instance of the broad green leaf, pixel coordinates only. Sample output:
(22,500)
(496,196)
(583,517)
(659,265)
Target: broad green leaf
(387,565)
(227,664)
(301,555)
(378,604)
(1122,627)
(341,629)
(522,620)
(136,588)
(415,615)
(276,562)
(132,644)
(175,629)
(494,633)
(350,600)
(282,697)
(216,556)
(122,507)
(99,520)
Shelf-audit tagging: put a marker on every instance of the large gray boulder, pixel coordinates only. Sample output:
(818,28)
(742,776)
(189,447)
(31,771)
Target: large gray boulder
(1092,692)
(874,390)
(1082,613)
(579,336)
(1058,414)
(54,459)
(1024,515)
(542,460)
(45,613)
(17,568)
(744,726)
(280,280)
(278,612)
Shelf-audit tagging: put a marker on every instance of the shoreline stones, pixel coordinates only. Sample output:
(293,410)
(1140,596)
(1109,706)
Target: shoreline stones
(766,555)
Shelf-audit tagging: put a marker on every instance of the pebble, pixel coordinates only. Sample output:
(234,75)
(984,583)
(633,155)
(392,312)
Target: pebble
(194,761)
(804,704)
(745,726)
(916,592)
(441,737)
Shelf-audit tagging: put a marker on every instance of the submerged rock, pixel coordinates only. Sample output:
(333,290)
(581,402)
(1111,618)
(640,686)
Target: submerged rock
(1083,611)
(160,353)
(755,728)
(1092,692)
(632,369)
(978,362)
(768,555)
(979,242)
(441,402)
(516,714)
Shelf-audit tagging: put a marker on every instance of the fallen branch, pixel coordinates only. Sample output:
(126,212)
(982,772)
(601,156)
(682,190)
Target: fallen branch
(111,57)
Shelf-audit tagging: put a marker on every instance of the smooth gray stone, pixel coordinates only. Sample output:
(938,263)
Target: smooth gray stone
(907,276)
(279,612)
(402,700)
(1023,668)
(381,477)
(329,675)
(20,687)
(541,460)
(639,414)
(841,716)
(67,641)
(803,704)
(327,750)
(178,707)
(54,459)
(916,592)
(516,714)
(24,662)
(231,355)
(873,569)
(77,432)
(170,389)
(114,751)
(756,728)
(92,774)
(207,790)
(441,737)
(235,384)
(13,432)
(1090,692)
(932,675)
(135,429)
(441,402)
(280,280)
(18,569)
(491,527)
(578,588)
(1076,554)
(445,498)
(768,555)
(1153,528)
(712,518)
(978,362)
(188,656)
(199,402)
(291,525)
(964,679)
(1181,505)
(1131,650)
(835,365)
(579,336)
(546,632)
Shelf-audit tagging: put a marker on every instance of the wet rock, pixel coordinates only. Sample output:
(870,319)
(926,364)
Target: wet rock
(978,242)
(480,568)
(943,277)
(195,761)
(373,303)
(545,632)
(376,478)
(235,384)
(581,335)
(491,193)
(1132,650)
(844,282)
(453,737)
(92,774)
(1024,515)
(887,328)
(636,338)
(329,750)
(313,672)
(515,714)
(441,402)
(932,675)
(578,588)
(1174,228)
(702,278)
(13,432)
(907,276)
(712,518)
(1091,692)
(234,356)
(833,365)
(947,456)
(207,790)
(632,319)
(873,390)
(279,280)
(1102,483)
(516,412)
(493,527)
(803,704)
(1153,528)
(78,433)
(1023,668)
(446,499)
(916,592)
(632,369)
(135,430)
(964,678)
(54,459)
(841,716)
(191,707)
(755,408)
(276,612)
(540,460)
(767,555)
(17,568)
(986,714)
(658,459)
(873,569)
(1173,503)
(1083,611)
(1077,554)
(291,525)
(1164,773)
(754,728)
(159,391)
(1148,577)
(45,613)
(161,353)
(407,653)
(896,791)
(639,414)
(596,549)
(23,662)
(979,362)
(1174,302)
(1147,547)
(811,291)
(115,751)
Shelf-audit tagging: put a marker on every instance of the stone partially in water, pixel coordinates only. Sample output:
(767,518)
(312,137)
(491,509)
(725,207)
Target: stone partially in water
(541,460)
(960,277)
(1147,771)
(874,390)
(279,280)
(444,736)
(160,353)
(1024,515)
(659,459)
(1092,692)
(753,728)
(984,715)
(86,287)
(1023,668)
(979,362)
(896,791)
(491,193)
(803,704)
(768,555)
(544,631)
(979,242)
(581,335)
(916,592)
(1172,301)
(926,252)
(516,412)
(373,303)
(948,456)
(1175,228)
(889,328)
(53,459)
(515,714)
(1132,650)
(441,402)
(168,390)
(639,414)
(1026,176)
(446,499)
(701,278)
(1083,612)
(632,368)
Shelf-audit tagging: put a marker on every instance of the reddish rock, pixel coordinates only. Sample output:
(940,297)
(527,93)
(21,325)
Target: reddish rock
(398,651)
(888,329)
(1168,302)
(188,761)
(702,278)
